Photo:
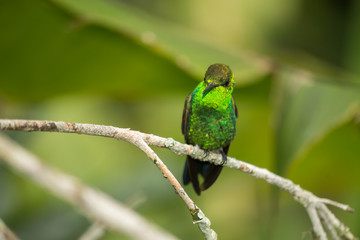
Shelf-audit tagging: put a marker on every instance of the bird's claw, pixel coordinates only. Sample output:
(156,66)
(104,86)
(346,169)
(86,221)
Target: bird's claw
(224,157)
(206,153)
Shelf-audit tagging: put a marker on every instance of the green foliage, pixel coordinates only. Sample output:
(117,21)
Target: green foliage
(307,108)
(131,64)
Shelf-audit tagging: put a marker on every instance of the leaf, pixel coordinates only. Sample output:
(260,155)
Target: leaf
(186,49)
(307,108)
(46,51)
(56,47)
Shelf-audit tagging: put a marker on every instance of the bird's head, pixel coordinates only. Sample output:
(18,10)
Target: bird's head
(218,76)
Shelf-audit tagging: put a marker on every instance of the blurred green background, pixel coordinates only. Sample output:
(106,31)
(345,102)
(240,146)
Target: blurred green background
(131,63)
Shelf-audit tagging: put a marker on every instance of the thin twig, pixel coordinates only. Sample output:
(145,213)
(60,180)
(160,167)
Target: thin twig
(314,217)
(338,205)
(329,227)
(342,231)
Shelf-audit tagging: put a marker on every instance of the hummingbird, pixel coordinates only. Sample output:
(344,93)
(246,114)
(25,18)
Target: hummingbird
(209,121)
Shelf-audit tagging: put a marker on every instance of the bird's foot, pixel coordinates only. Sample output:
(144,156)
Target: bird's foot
(224,157)
(207,152)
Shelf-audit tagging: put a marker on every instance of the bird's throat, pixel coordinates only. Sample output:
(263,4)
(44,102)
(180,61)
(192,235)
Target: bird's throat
(218,99)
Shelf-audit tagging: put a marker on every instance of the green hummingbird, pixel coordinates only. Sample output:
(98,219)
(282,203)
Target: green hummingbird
(209,121)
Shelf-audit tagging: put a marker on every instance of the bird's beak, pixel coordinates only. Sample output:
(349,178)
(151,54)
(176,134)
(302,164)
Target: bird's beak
(210,86)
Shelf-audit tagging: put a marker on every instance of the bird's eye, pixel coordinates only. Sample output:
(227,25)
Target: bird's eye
(226,84)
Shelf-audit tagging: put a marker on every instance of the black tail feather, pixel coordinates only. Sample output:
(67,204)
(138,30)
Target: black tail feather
(191,173)
(212,174)
(209,171)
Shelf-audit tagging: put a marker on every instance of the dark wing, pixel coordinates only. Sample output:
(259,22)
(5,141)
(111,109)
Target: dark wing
(192,166)
(233,103)
(186,114)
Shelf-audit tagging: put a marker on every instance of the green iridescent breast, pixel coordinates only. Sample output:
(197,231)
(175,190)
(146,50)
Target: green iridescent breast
(211,123)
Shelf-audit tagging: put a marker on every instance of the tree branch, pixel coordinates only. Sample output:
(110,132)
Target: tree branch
(127,135)
(315,206)
(95,204)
